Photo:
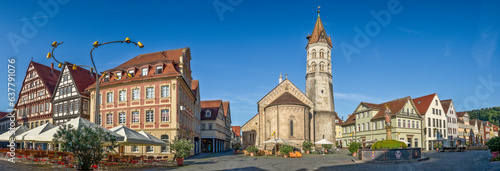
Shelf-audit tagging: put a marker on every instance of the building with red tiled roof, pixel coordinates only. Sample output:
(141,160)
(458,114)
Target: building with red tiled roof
(451,118)
(215,126)
(33,103)
(368,122)
(151,92)
(434,118)
(235,135)
(70,99)
(465,129)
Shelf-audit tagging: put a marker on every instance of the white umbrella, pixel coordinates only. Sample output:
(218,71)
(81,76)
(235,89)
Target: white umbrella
(323,141)
(278,141)
(152,138)
(33,134)
(403,141)
(17,131)
(77,123)
(132,137)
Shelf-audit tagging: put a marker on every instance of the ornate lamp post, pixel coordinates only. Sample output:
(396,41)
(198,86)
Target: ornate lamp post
(93,67)
(96,45)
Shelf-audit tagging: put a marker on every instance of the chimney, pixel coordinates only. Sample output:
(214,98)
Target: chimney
(51,67)
(281,79)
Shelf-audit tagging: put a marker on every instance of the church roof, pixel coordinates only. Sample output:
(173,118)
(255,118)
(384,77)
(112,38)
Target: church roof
(319,33)
(287,99)
(423,103)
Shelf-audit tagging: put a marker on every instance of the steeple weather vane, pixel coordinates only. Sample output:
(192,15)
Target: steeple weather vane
(318,10)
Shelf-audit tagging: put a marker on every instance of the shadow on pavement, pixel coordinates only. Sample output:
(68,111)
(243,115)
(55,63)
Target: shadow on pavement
(246,168)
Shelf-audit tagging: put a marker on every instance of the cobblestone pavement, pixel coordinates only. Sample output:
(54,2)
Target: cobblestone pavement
(470,160)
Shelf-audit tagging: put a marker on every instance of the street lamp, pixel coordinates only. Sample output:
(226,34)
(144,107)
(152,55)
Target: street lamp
(96,45)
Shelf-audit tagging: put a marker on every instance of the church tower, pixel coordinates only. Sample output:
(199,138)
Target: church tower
(319,83)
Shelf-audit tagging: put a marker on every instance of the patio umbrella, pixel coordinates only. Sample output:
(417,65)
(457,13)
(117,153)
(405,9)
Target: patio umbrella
(33,134)
(403,141)
(16,131)
(323,141)
(77,123)
(152,138)
(134,138)
(278,141)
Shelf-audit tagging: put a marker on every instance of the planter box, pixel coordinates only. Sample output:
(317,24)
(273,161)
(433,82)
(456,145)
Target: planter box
(390,154)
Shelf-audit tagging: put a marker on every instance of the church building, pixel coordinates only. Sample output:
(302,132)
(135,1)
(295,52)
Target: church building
(288,113)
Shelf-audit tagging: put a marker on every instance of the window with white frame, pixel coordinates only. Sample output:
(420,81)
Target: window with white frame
(149,116)
(118,75)
(121,117)
(159,69)
(123,95)
(135,149)
(150,92)
(165,115)
(208,113)
(149,149)
(109,98)
(165,91)
(109,119)
(144,71)
(135,117)
(136,93)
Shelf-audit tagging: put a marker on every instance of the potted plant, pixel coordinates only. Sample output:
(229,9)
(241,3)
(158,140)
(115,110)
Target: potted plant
(252,150)
(494,146)
(286,149)
(306,146)
(327,147)
(236,147)
(181,149)
(354,147)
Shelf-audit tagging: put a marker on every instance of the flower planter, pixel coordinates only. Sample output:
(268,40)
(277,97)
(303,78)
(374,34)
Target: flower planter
(354,154)
(251,154)
(494,154)
(180,161)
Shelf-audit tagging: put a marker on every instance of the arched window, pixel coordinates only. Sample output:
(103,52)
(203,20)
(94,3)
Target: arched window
(313,67)
(329,68)
(322,53)
(321,66)
(314,54)
(208,113)
(164,138)
(291,128)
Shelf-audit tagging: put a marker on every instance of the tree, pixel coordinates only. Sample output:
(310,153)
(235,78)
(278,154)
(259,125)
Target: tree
(306,145)
(86,144)
(181,148)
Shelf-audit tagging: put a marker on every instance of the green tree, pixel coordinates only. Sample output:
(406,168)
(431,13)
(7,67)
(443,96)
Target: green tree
(86,144)
(491,114)
(181,147)
(306,145)
(354,147)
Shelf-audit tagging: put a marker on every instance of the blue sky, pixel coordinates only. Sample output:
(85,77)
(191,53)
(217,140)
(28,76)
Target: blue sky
(448,47)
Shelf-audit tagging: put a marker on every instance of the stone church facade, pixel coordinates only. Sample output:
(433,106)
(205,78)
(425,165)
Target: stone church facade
(291,114)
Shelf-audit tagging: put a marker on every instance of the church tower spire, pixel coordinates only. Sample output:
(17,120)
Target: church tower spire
(319,86)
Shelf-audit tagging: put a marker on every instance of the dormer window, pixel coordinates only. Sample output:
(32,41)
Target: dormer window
(159,69)
(106,78)
(144,72)
(118,75)
(131,72)
(208,113)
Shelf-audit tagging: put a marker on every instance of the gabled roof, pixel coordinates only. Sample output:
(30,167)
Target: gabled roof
(371,105)
(152,58)
(446,105)
(319,34)
(423,103)
(194,86)
(350,120)
(337,118)
(47,75)
(213,106)
(460,120)
(460,114)
(236,130)
(3,114)
(225,106)
(287,98)
(395,106)
(82,77)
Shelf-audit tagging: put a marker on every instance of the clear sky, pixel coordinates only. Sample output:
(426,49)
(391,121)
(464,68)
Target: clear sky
(239,47)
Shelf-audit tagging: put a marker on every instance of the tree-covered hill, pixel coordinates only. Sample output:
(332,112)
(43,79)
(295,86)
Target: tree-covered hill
(491,114)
